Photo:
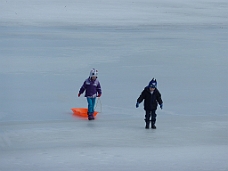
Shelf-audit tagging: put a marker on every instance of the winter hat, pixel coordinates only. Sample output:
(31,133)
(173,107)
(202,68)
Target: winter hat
(153,83)
(93,72)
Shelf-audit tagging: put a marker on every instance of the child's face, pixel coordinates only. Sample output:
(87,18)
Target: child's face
(93,77)
(152,89)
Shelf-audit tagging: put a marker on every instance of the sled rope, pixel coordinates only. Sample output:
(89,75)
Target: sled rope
(99,99)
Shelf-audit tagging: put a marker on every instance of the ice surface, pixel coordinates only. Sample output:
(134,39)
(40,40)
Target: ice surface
(47,49)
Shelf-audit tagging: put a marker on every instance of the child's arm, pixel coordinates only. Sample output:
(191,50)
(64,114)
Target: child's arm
(159,100)
(99,89)
(140,99)
(82,89)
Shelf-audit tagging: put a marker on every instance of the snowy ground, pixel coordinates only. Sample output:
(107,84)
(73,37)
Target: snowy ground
(47,49)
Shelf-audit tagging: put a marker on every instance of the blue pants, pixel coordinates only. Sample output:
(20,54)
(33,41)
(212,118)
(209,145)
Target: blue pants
(91,104)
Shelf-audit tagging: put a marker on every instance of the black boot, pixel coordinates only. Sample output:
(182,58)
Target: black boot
(147,124)
(90,116)
(153,126)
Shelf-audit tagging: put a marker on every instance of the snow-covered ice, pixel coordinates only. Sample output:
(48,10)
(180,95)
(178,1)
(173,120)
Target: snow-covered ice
(47,49)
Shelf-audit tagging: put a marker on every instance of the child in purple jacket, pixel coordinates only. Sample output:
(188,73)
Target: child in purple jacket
(92,89)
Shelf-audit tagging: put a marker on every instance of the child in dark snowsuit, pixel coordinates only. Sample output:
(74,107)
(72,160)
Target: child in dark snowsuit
(151,97)
(92,89)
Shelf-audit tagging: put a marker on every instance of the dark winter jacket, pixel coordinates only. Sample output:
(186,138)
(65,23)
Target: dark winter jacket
(151,101)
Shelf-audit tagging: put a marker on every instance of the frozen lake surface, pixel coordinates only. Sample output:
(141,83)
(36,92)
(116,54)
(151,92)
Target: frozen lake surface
(47,50)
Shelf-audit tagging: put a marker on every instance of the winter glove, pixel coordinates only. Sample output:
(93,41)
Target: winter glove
(161,106)
(137,104)
(99,95)
(79,94)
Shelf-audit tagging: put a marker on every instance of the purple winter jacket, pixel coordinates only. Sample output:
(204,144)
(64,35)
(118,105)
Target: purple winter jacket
(91,88)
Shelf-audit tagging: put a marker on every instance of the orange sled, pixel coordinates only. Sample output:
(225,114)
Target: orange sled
(82,112)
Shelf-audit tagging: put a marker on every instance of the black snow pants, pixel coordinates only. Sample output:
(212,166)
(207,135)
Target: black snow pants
(150,116)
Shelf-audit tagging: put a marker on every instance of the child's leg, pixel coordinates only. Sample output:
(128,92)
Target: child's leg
(153,116)
(147,116)
(153,119)
(147,119)
(91,104)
